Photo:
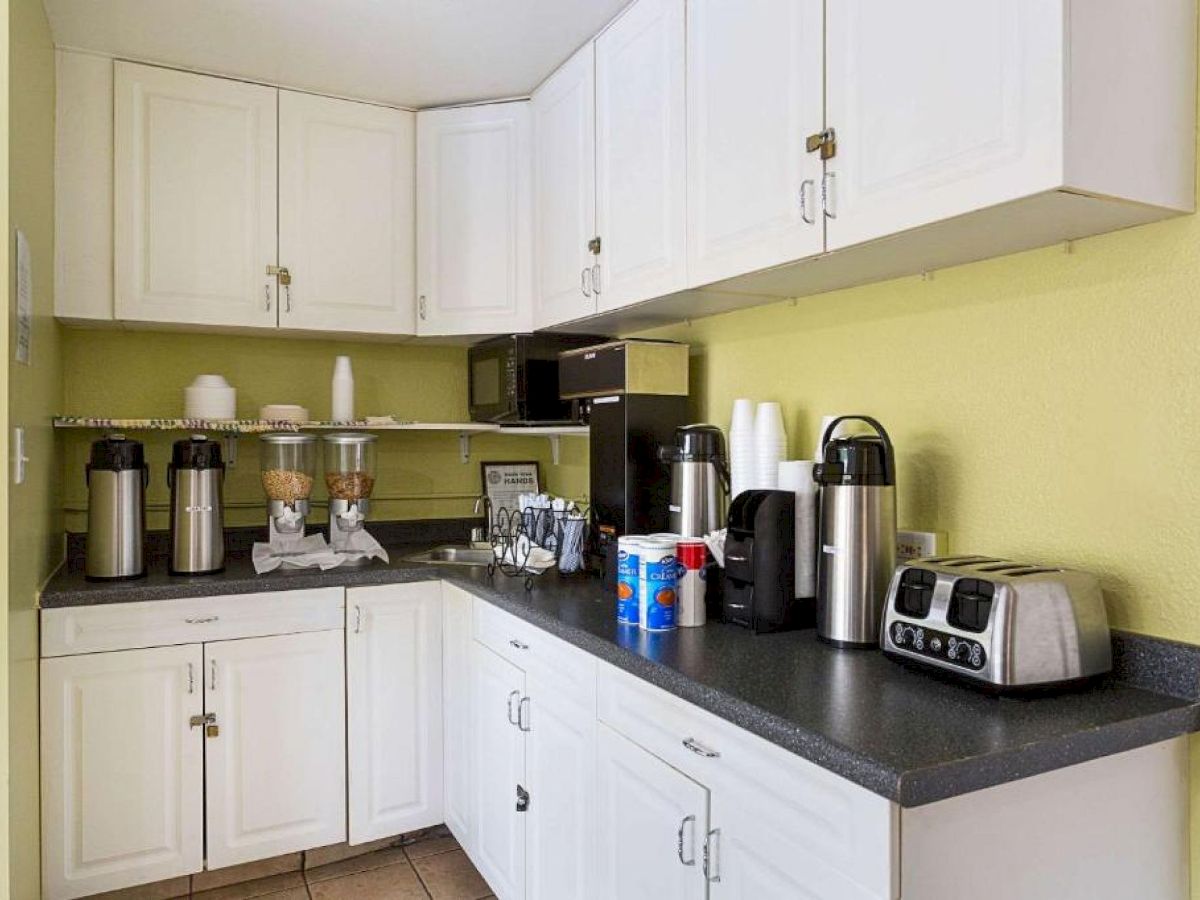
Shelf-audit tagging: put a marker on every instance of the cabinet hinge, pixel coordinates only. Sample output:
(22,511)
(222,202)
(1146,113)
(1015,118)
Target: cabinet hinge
(522,799)
(594,246)
(825,141)
(285,277)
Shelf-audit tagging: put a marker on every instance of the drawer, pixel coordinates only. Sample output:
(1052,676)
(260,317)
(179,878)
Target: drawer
(531,649)
(844,832)
(192,620)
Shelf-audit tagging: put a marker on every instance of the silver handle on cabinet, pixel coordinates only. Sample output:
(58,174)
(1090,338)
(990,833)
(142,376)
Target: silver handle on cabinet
(805,212)
(202,620)
(358,620)
(421,307)
(712,856)
(699,749)
(523,714)
(596,279)
(267,294)
(212,681)
(679,840)
(583,282)
(828,195)
(519,645)
(287,298)
(191,679)
(513,719)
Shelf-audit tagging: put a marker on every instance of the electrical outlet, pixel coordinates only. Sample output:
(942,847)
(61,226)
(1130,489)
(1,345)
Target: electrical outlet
(918,544)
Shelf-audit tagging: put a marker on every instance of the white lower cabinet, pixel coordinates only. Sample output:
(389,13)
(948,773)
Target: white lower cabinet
(457,725)
(123,769)
(394,708)
(276,764)
(653,824)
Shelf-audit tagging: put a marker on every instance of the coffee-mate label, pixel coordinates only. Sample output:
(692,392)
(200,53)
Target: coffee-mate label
(660,587)
(628,585)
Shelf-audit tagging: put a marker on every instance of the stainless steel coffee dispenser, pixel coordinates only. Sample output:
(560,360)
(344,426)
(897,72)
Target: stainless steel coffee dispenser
(699,480)
(857,534)
(196,477)
(117,476)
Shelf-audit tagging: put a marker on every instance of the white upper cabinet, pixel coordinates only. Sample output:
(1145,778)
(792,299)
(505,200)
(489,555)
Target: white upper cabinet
(194,198)
(564,156)
(285,692)
(122,769)
(474,206)
(755,92)
(394,708)
(641,154)
(346,215)
(940,108)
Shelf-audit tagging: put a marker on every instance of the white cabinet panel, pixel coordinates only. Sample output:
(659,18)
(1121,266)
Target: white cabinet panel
(122,770)
(347,215)
(564,154)
(394,708)
(276,779)
(194,198)
(755,91)
(459,731)
(499,754)
(940,108)
(641,154)
(652,825)
(474,203)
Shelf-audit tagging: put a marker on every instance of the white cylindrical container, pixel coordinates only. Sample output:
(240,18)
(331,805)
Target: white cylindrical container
(741,447)
(797,476)
(343,391)
(629,579)
(659,589)
(770,445)
(692,554)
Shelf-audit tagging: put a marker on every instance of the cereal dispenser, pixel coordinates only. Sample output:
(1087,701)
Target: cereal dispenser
(288,467)
(349,478)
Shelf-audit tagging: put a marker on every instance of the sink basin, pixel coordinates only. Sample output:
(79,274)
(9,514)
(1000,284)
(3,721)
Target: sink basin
(455,555)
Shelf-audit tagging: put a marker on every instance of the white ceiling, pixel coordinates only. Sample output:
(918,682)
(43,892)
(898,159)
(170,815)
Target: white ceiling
(413,53)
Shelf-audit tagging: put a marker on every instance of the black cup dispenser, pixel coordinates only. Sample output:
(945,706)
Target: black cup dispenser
(760,562)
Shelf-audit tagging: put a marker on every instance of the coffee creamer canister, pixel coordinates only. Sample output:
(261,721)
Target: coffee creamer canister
(660,584)
(628,579)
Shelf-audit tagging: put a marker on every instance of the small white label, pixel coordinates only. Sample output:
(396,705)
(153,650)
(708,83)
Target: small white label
(673,508)
(831,549)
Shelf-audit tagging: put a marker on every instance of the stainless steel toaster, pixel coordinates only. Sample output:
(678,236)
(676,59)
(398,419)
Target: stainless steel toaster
(1001,623)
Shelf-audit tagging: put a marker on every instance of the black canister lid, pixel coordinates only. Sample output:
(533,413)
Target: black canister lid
(861,459)
(196,452)
(116,453)
(696,443)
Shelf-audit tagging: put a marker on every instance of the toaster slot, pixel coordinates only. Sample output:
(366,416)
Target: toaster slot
(971,604)
(961,561)
(1004,567)
(1033,571)
(915,594)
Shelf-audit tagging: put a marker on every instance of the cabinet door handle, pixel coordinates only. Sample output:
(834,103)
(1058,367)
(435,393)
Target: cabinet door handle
(212,678)
(519,645)
(287,297)
(421,307)
(513,716)
(583,282)
(829,195)
(358,620)
(191,679)
(699,749)
(267,295)
(687,820)
(523,713)
(712,855)
(596,279)
(202,620)
(805,210)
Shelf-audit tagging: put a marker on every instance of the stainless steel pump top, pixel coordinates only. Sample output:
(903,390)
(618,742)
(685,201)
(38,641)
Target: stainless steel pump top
(857,534)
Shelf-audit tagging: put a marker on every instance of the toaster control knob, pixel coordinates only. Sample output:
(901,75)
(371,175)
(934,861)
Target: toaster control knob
(935,644)
(919,639)
(976,655)
(898,634)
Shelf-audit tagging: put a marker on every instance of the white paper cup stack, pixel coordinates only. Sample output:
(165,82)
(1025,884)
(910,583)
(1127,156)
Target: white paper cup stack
(770,445)
(742,461)
(797,476)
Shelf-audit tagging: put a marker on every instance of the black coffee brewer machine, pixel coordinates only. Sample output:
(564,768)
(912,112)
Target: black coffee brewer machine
(760,563)
(634,396)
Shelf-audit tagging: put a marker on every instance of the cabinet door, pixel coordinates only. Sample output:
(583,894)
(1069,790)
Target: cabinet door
(394,708)
(194,198)
(347,215)
(755,91)
(641,154)
(458,725)
(474,203)
(940,108)
(560,764)
(122,769)
(276,768)
(499,752)
(652,823)
(564,155)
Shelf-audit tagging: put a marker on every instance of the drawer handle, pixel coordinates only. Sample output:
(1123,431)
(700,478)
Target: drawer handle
(202,620)
(679,840)
(699,749)
(523,714)
(520,645)
(513,719)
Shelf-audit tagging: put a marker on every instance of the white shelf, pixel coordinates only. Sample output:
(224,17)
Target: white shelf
(553,433)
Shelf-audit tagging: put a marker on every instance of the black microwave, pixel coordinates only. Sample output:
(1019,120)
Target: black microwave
(513,379)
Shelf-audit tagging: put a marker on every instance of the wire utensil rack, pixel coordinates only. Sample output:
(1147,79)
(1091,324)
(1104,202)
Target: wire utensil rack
(517,534)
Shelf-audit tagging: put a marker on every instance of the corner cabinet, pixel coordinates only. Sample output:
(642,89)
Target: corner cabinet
(194,198)
(475,208)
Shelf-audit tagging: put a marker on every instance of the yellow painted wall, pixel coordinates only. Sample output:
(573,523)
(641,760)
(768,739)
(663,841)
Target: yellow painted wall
(35,520)
(131,374)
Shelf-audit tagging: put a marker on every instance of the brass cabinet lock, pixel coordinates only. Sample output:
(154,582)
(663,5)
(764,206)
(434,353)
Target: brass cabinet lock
(208,722)
(212,731)
(285,277)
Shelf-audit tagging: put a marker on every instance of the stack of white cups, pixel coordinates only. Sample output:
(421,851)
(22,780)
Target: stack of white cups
(742,461)
(770,445)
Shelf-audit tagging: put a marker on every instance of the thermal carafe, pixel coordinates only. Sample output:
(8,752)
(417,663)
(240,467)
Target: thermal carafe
(196,477)
(116,477)
(857,533)
(699,480)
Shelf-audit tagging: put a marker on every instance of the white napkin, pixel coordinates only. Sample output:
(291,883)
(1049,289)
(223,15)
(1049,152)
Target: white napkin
(293,551)
(361,544)
(715,541)
(525,555)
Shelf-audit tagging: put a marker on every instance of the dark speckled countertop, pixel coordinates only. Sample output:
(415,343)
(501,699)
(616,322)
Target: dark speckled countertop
(905,734)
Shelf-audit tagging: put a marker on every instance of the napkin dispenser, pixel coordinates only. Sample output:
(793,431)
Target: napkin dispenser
(760,562)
